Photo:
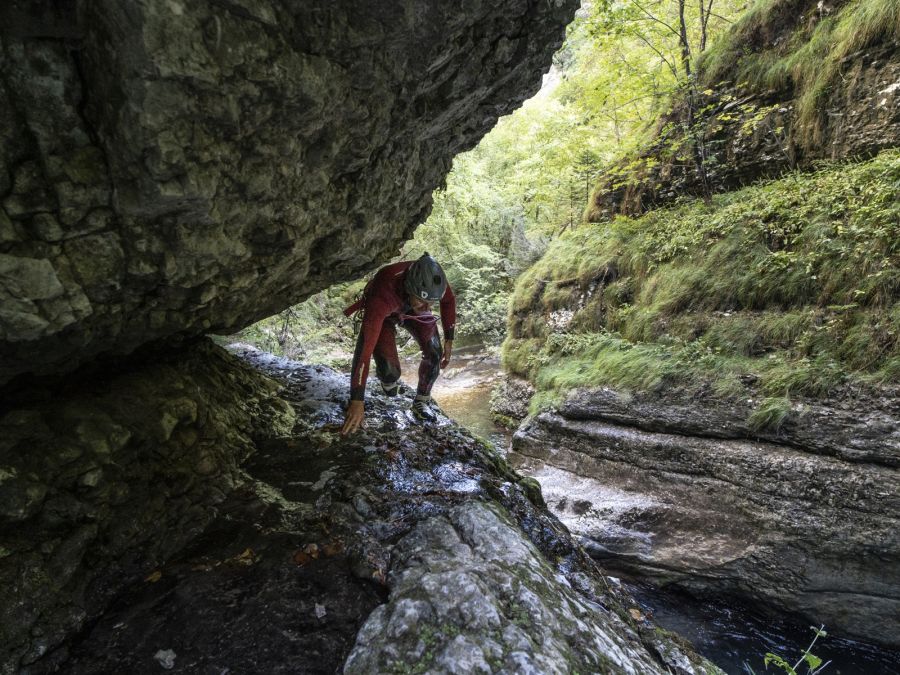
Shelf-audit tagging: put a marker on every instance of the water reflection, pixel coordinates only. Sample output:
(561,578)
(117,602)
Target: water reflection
(730,634)
(464,391)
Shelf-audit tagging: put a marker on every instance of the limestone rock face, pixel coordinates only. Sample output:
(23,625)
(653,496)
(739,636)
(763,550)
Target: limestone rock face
(683,492)
(183,167)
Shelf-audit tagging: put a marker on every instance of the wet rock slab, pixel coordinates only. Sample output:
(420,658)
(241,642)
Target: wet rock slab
(408,548)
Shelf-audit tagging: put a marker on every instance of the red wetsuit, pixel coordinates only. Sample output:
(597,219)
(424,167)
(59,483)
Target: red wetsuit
(385,304)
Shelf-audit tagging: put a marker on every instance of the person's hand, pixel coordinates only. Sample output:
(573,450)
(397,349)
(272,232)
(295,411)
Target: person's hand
(353,419)
(448,349)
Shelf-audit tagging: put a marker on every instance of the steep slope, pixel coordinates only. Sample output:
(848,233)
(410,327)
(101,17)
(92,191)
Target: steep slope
(793,83)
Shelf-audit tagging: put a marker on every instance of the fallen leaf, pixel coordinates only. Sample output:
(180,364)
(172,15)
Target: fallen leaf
(312,550)
(246,557)
(332,548)
(154,576)
(301,558)
(636,614)
(165,658)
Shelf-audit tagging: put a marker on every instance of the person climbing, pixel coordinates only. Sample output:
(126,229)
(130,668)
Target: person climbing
(401,294)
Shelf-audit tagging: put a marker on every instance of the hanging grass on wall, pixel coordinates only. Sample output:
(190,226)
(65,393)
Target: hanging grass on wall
(808,61)
(792,285)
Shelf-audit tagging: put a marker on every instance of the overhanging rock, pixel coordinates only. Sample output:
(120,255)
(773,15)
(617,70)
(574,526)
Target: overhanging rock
(179,167)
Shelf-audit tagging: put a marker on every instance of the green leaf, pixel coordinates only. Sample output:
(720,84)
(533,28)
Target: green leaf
(780,662)
(813,661)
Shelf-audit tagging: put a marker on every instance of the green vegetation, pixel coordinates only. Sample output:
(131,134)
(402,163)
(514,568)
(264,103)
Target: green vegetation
(790,287)
(809,60)
(813,663)
(315,331)
(529,179)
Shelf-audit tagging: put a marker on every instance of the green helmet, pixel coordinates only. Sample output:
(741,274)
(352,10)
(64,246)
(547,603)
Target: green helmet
(425,279)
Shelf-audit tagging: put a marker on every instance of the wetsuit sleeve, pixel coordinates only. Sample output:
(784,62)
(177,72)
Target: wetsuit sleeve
(374,315)
(448,313)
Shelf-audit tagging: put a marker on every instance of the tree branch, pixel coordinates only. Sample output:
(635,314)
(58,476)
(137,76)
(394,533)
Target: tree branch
(655,18)
(659,54)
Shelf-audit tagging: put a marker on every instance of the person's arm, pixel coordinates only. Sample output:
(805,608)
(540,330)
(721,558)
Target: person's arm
(373,319)
(448,322)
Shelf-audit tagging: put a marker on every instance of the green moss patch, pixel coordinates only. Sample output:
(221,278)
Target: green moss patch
(792,286)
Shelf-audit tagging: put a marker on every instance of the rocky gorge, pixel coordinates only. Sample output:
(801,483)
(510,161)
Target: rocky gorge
(702,416)
(407,548)
(176,168)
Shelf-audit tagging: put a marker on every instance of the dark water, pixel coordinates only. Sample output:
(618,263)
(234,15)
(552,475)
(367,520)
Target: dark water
(730,635)
(723,630)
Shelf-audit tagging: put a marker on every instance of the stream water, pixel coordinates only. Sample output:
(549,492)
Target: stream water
(725,631)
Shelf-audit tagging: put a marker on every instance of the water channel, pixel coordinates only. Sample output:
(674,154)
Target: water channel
(727,632)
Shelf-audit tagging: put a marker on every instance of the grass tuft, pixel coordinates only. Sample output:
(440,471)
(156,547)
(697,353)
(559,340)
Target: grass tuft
(809,61)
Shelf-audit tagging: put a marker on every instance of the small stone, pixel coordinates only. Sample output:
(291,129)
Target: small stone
(165,658)
(91,478)
(361,505)
(7,229)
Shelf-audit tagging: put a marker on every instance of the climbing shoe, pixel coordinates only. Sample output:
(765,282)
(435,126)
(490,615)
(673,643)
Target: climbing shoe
(390,388)
(422,409)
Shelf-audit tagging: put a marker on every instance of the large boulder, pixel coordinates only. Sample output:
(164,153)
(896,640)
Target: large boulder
(107,477)
(181,167)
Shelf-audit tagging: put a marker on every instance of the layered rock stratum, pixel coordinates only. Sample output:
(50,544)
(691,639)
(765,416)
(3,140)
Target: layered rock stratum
(182,167)
(676,487)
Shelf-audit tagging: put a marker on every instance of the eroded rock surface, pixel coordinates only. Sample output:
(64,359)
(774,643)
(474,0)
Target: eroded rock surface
(321,530)
(470,595)
(509,400)
(686,494)
(180,167)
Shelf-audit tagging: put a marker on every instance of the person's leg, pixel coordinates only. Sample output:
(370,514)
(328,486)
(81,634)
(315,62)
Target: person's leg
(426,335)
(387,363)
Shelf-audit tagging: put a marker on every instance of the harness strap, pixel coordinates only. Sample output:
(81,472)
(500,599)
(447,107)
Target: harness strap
(423,318)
